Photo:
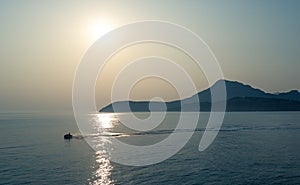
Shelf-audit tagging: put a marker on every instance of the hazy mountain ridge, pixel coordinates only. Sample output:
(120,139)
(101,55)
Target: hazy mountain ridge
(240,97)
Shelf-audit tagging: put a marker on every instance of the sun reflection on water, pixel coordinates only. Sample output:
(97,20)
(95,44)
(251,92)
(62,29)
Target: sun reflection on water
(103,170)
(103,123)
(105,120)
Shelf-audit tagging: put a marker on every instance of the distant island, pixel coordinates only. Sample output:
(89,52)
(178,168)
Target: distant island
(240,97)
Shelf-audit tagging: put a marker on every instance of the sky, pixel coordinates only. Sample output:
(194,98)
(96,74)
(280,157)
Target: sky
(42,43)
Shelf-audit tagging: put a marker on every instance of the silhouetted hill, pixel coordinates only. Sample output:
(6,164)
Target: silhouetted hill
(240,97)
(292,95)
(261,104)
(237,89)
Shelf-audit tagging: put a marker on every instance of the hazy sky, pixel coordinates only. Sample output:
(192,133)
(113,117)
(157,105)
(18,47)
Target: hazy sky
(42,42)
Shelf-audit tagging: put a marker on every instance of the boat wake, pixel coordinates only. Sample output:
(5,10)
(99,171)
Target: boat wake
(170,131)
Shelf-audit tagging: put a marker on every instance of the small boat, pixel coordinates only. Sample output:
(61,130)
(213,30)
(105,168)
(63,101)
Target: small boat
(68,136)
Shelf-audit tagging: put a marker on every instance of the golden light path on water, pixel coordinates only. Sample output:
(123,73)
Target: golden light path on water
(104,124)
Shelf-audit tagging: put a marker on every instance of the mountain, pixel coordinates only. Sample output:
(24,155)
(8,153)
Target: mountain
(237,89)
(261,104)
(292,95)
(240,97)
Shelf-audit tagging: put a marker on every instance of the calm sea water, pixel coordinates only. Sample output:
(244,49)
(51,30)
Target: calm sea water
(251,148)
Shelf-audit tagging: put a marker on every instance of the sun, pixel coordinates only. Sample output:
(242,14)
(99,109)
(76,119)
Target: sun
(99,28)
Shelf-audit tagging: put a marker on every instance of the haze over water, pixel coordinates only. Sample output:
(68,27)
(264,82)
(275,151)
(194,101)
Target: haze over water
(255,148)
(44,42)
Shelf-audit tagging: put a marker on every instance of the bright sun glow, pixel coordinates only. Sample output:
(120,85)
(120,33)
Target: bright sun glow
(99,28)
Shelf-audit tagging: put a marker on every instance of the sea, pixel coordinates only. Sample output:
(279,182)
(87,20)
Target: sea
(250,148)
